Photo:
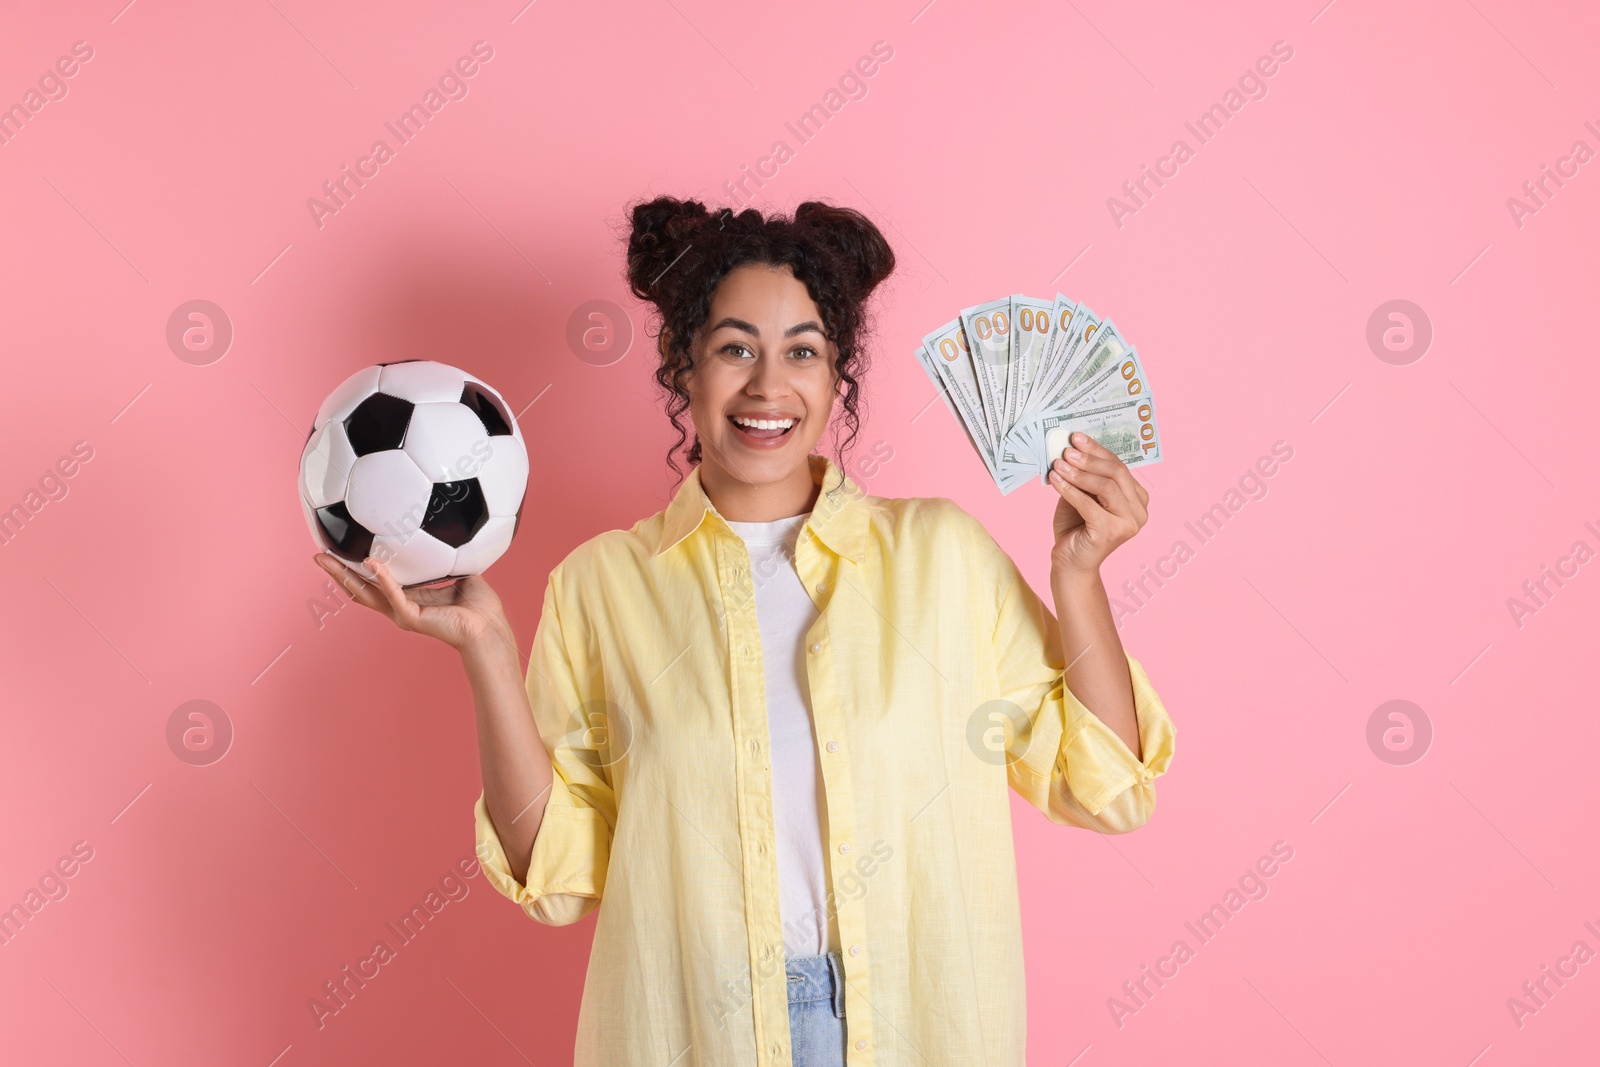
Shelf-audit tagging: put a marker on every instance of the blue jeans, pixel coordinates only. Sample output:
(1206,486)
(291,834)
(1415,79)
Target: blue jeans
(816,1010)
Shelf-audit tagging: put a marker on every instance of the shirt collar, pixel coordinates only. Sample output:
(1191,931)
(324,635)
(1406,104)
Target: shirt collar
(838,521)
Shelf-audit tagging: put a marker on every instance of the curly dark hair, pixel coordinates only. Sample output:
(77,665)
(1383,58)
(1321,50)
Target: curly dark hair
(678,253)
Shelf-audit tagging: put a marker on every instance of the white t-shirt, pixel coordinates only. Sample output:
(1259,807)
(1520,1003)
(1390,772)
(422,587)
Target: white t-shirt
(785,613)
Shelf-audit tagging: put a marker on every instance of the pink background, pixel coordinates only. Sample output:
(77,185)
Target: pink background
(1378,566)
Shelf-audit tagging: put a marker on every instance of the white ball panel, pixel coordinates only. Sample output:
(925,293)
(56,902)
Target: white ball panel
(325,465)
(388,493)
(350,392)
(446,441)
(421,557)
(504,476)
(488,545)
(423,382)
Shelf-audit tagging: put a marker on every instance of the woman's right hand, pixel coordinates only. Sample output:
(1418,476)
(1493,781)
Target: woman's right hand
(464,613)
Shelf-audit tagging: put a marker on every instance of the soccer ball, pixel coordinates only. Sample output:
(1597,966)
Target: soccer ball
(417,464)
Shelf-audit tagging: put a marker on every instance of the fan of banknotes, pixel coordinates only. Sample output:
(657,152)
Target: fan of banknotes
(1021,374)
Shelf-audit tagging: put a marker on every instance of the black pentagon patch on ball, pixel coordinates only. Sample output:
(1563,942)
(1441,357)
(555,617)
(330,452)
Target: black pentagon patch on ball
(456,511)
(344,536)
(487,408)
(378,424)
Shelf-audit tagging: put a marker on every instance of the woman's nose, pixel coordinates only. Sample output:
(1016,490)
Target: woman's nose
(769,377)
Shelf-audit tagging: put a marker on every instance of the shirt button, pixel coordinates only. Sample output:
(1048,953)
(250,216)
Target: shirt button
(861,1045)
(855,950)
(833,746)
(822,587)
(816,646)
(845,847)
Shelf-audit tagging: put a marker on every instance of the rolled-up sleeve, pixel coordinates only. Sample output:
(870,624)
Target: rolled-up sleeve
(566,875)
(1062,758)
(1078,772)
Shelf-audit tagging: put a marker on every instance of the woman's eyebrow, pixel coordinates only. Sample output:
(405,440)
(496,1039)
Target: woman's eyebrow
(809,326)
(737,324)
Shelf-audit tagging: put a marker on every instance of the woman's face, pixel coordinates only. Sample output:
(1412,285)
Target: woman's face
(761,355)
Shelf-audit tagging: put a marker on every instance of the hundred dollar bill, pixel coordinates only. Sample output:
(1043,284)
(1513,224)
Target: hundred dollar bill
(941,361)
(1015,475)
(988,329)
(1125,427)
(1066,342)
(1103,348)
(1008,476)
(1061,311)
(1118,379)
(949,344)
(1030,336)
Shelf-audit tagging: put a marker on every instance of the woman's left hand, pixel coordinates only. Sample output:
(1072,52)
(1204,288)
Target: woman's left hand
(1101,505)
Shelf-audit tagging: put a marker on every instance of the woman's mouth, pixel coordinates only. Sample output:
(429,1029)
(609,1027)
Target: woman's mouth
(763,433)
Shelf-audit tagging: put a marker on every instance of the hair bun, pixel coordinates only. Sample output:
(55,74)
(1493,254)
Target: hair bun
(663,229)
(858,243)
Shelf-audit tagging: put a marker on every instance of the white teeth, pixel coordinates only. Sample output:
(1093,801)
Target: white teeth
(764,424)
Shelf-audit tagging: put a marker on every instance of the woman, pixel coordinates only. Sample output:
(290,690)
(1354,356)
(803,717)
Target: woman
(773,725)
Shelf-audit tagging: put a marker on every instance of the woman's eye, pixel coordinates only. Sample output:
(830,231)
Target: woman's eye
(805,353)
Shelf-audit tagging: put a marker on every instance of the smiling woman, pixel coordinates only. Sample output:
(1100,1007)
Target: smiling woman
(770,732)
(761,393)
(735,358)
(762,326)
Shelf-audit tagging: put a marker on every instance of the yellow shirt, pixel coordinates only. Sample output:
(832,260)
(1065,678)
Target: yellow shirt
(936,683)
